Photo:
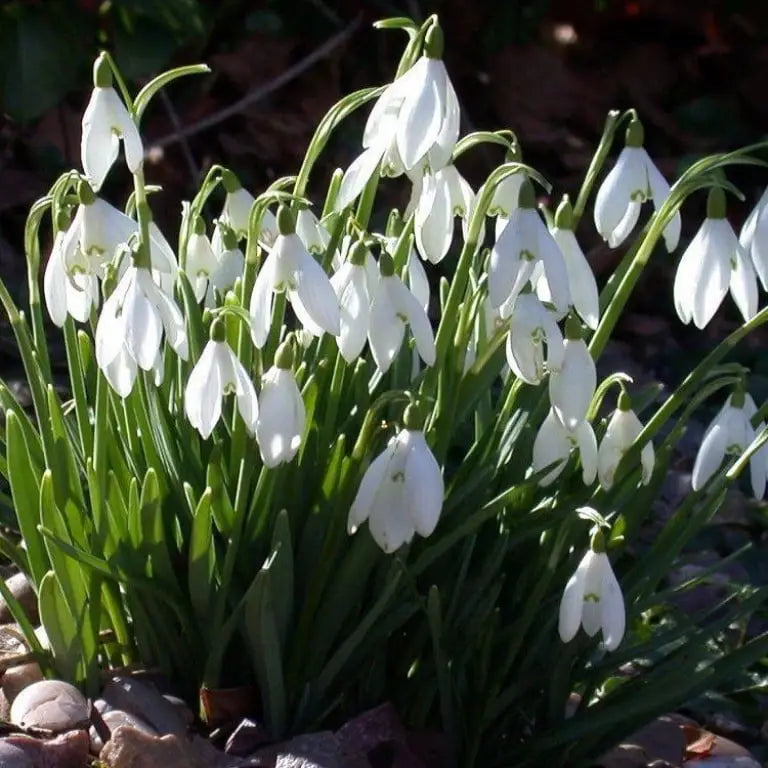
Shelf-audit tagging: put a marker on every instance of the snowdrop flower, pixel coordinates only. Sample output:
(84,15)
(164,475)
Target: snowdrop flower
(414,122)
(105,122)
(418,281)
(581,280)
(311,232)
(622,431)
(633,180)
(555,443)
(230,262)
(392,307)
(216,374)
(530,326)
(592,598)
(237,211)
(133,320)
(714,261)
(507,192)
(401,493)
(201,260)
(440,197)
(730,433)
(282,415)
(350,283)
(65,294)
(572,384)
(753,238)
(290,268)
(524,243)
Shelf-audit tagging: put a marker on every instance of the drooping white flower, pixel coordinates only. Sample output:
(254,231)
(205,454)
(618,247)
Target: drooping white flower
(572,384)
(440,196)
(133,320)
(350,282)
(592,598)
(230,263)
(289,267)
(67,293)
(392,307)
(216,374)
(623,429)
(282,416)
(201,260)
(105,122)
(237,211)
(413,123)
(730,433)
(633,180)
(505,196)
(555,443)
(401,493)
(581,280)
(753,238)
(714,261)
(531,325)
(522,244)
(311,232)
(418,281)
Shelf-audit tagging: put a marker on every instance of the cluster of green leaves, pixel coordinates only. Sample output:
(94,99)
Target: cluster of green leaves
(147,544)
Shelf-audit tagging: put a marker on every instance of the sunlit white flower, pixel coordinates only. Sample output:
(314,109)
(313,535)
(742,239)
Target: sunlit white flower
(282,415)
(236,213)
(311,232)
(230,263)
(216,374)
(522,244)
(201,260)
(401,492)
(729,434)
(289,267)
(623,429)
(572,384)
(633,180)
(531,325)
(555,443)
(105,122)
(413,123)
(506,195)
(350,282)
(714,261)
(392,307)
(592,598)
(133,320)
(753,238)
(67,293)
(440,197)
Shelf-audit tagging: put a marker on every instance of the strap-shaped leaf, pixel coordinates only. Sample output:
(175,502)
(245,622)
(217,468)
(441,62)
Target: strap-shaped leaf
(144,96)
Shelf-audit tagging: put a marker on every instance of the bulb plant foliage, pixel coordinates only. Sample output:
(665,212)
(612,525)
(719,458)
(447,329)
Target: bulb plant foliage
(287,456)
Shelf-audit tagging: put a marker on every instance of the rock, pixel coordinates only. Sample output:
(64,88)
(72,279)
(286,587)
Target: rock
(16,679)
(145,702)
(112,720)
(311,750)
(181,707)
(21,588)
(246,738)
(50,704)
(69,750)
(130,748)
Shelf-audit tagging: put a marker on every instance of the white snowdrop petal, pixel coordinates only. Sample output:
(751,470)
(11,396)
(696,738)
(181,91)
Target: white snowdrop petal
(572,602)
(613,612)
(357,175)
(424,487)
(317,295)
(372,479)
(386,330)
(743,284)
(260,307)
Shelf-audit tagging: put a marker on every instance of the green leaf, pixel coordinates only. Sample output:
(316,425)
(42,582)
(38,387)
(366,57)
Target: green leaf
(201,562)
(25,478)
(282,575)
(145,95)
(61,628)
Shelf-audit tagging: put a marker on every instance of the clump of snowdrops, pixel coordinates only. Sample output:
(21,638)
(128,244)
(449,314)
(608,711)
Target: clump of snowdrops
(289,456)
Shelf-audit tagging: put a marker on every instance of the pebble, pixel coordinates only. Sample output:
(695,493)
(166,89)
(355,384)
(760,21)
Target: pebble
(113,719)
(21,588)
(16,679)
(50,704)
(69,750)
(145,702)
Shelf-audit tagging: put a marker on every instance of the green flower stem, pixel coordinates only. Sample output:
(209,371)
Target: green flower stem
(334,399)
(101,432)
(32,249)
(367,198)
(143,259)
(77,381)
(111,598)
(612,122)
(275,329)
(125,93)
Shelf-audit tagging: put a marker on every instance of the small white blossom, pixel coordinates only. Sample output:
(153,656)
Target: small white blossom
(623,429)
(572,384)
(592,598)
(753,238)
(730,433)
(555,443)
(401,493)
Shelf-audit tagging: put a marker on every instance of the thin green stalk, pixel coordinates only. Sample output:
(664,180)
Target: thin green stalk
(77,381)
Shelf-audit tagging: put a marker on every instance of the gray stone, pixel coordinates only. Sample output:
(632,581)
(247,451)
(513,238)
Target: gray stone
(50,704)
(22,589)
(14,757)
(69,750)
(247,737)
(112,720)
(145,702)
(16,679)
